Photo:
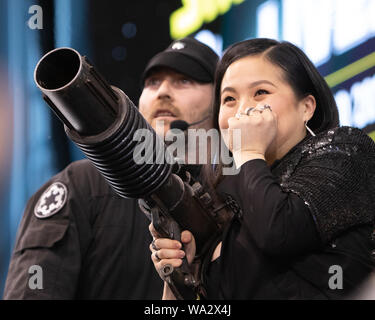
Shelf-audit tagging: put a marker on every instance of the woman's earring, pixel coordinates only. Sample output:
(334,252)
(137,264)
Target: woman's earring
(309,130)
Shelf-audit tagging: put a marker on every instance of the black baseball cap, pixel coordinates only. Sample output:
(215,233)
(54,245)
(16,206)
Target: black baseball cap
(187,56)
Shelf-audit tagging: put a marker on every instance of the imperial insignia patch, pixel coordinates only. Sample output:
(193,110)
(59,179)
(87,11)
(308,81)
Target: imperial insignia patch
(51,201)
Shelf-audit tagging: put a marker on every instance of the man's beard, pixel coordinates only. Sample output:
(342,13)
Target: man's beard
(164,105)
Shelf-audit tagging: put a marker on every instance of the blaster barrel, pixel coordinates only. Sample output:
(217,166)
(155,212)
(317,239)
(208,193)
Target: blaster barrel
(102,121)
(75,92)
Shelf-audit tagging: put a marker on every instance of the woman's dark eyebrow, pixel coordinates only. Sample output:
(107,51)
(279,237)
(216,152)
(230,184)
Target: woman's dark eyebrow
(256,83)
(252,85)
(230,89)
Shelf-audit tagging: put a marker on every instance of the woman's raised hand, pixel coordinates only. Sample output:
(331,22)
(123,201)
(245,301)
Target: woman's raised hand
(257,128)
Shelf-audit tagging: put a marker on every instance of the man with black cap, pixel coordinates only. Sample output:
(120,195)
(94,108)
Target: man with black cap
(89,243)
(178,84)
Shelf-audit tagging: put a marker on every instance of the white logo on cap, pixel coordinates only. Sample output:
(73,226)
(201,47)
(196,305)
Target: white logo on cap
(178,45)
(51,201)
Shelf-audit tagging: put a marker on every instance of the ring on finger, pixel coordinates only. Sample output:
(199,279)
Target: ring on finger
(153,245)
(248,110)
(262,108)
(157,256)
(256,110)
(240,114)
(266,106)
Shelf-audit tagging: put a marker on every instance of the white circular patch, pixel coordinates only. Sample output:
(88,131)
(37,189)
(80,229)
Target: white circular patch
(178,45)
(51,201)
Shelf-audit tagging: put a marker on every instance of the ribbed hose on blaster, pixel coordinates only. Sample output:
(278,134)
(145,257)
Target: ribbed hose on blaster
(102,122)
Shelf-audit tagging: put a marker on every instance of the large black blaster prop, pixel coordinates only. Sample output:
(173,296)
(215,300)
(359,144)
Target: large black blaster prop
(101,120)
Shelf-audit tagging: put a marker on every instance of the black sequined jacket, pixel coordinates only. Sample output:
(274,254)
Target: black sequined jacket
(306,229)
(334,173)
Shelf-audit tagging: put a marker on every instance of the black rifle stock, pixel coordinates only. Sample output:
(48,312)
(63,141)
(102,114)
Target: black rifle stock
(101,120)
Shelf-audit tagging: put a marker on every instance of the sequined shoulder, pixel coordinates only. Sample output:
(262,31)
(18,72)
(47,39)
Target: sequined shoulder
(333,173)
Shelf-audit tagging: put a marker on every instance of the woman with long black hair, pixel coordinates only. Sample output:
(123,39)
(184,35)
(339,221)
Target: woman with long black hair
(306,186)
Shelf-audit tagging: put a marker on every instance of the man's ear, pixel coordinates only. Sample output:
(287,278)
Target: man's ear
(309,106)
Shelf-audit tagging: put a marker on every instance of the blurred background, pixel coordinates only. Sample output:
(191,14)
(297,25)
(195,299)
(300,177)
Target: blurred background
(119,37)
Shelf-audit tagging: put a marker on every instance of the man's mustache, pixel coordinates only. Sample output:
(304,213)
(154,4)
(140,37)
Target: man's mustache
(165,106)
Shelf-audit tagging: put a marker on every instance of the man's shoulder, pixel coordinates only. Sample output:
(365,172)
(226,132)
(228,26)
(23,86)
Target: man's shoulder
(82,175)
(82,167)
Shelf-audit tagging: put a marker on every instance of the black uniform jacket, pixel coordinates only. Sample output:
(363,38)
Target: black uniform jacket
(306,231)
(96,246)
